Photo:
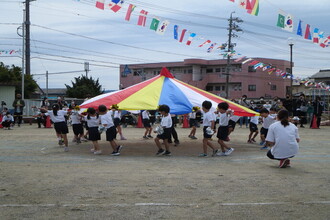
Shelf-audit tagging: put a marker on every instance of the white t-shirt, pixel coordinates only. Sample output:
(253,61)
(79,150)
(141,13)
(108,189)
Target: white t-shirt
(57,118)
(255,120)
(75,118)
(8,118)
(166,121)
(234,118)
(145,114)
(93,121)
(270,119)
(267,106)
(208,117)
(117,114)
(192,115)
(223,119)
(106,120)
(285,139)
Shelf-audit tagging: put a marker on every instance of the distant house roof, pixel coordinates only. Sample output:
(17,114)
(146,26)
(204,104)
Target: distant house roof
(321,74)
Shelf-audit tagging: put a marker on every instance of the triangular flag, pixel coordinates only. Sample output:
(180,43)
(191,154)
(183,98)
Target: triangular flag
(209,50)
(154,24)
(325,42)
(288,25)
(280,20)
(206,42)
(308,35)
(142,18)
(129,12)
(100,4)
(116,5)
(162,27)
(299,30)
(245,61)
(232,0)
(176,32)
(182,35)
(248,5)
(254,62)
(190,38)
(254,7)
(316,36)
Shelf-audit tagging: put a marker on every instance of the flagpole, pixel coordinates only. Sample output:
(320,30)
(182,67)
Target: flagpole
(290,42)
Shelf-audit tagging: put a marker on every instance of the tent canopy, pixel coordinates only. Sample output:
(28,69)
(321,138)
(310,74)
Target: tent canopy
(163,89)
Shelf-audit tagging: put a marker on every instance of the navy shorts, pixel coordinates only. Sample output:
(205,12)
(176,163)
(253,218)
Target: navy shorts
(166,134)
(61,127)
(111,133)
(205,135)
(264,131)
(116,121)
(192,122)
(78,129)
(94,134)
(222,133)
(146,123)
(253,127)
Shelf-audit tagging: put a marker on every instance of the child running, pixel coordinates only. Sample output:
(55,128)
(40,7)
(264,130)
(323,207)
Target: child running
(232,123)
(222,134)
(267,120)
(117,119)
(193,122)
(166,124)
(146,124)
(93,122)
(284,137)
(61,128)
(208,123)
(111,132)
(254,121)
(77,126)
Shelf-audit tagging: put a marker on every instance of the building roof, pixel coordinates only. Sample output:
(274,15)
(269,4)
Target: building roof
(321,74)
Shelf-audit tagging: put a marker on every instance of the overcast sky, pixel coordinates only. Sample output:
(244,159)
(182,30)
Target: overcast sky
(67,33)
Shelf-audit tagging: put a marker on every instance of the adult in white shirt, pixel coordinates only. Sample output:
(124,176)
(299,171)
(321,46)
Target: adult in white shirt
(284,137)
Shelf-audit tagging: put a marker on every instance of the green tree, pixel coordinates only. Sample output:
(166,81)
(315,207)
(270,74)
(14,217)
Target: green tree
(13,75)
(84,87)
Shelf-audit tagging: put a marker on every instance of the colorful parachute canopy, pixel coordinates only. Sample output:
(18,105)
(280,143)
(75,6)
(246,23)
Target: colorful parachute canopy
(163,89)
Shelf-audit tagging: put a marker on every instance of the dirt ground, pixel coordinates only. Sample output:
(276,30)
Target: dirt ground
(40,181)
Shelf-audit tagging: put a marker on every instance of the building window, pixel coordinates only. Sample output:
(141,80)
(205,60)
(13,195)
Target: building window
(209,70)
(223,88)
(251,69)
(252,88)
(209,88)
(217,88)
(190,71)
(223,69)
(217,70)
(272,87)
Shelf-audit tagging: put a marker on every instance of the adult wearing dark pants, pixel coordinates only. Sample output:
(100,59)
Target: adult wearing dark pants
(288,105)
(302,109)
(174,134)
(317,113)
(18,105)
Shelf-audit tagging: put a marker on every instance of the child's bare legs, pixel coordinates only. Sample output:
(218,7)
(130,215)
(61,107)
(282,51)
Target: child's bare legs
(223,145)
(96,146)
(149,132)
(230,130)
(262,137)
(193,131)
(113,145)
(158,143)
(167,147)
(250,136)
(206,143)
(254,136)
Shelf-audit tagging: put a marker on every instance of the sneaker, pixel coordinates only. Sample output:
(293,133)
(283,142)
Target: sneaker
(249,141)
(149,136)
(66,149)
(228,152)
(284,163)
(264,148)
(215,152)
(60,142)
(262,143)
(92,150)
(221,154)
(160,152)
(84,140)
(119,148)
(189,136)
(115,153)
(145,137)
(123,138)
(176,143)
(193,137)
(202,155)
(78,141)
(289,164)
(98,152)
(167,153)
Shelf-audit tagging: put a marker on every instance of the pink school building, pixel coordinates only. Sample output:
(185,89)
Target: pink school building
(210,75)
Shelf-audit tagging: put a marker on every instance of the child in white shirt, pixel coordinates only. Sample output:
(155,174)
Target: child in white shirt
(166,124)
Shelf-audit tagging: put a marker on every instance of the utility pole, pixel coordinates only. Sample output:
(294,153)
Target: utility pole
(23,50)
(233,27)
(86,67)
(27,38)
(47,84)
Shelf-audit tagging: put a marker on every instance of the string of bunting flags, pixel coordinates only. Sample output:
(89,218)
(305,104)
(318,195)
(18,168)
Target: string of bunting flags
(9,52)
(269,68)
(160,26)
